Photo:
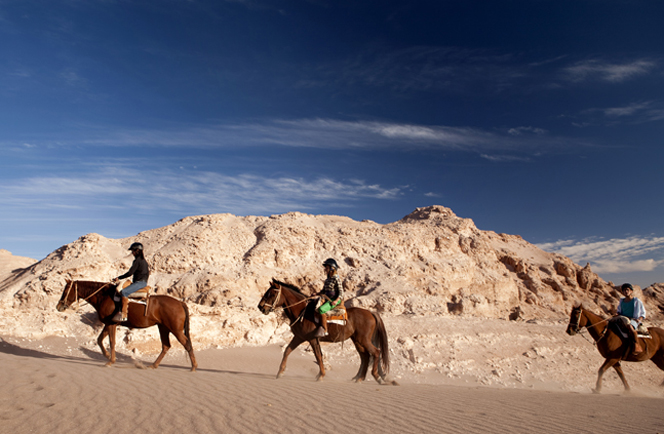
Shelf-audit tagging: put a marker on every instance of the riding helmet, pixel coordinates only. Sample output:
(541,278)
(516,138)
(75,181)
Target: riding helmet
(625,286)
(136,246)
(332,263)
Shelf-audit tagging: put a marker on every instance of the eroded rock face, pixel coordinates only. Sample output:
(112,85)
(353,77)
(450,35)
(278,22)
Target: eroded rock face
(431,262)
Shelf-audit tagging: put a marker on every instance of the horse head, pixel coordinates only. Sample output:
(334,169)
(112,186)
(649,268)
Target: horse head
(69,295)
(270,298)
(577,320)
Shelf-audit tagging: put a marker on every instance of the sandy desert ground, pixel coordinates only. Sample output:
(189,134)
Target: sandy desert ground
(471,376)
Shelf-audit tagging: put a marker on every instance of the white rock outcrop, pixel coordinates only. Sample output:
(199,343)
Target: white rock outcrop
(431,262)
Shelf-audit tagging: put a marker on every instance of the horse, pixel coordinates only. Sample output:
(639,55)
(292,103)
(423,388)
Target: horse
(612,347)
(167,313)
(364,328)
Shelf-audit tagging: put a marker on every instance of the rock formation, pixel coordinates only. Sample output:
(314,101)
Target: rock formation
(431,262)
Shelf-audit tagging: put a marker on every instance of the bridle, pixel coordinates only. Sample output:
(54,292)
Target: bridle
(577,327)
(273,305)
(74,284)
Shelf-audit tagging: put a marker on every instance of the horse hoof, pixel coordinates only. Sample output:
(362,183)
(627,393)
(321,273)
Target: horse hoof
(596,391)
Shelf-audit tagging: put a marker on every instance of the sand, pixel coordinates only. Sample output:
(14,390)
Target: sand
(60,385)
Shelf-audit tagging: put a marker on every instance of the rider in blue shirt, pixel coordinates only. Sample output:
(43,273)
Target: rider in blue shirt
(632,311)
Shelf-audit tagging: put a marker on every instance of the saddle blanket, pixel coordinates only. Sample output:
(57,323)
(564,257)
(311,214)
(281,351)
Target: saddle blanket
(336,321)
(337,316)
(117,299)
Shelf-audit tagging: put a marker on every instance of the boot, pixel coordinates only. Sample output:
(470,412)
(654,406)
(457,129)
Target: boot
(321,331)
(637,345)
(122,315)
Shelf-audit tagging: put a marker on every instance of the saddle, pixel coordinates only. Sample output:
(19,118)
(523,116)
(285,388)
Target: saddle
(142,296)
(338,315)
(620,328)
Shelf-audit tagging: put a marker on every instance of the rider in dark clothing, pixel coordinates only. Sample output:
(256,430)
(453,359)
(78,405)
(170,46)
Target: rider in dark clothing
(332,294)
(140,272)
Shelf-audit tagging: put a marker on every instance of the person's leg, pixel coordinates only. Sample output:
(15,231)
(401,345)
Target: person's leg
(635,338)
(122,315)
(321,331)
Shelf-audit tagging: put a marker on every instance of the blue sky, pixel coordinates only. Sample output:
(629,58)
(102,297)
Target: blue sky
(538,118)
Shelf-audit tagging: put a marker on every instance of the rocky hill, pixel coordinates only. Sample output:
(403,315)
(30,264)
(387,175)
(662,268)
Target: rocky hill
(431,262)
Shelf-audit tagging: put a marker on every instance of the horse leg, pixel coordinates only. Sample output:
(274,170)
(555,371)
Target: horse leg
(318,352)
(100,342)
(294,343)
(619,370)
(602,369)
(111,339)
(364,363)
(165,345)
(371,352)
(186,343)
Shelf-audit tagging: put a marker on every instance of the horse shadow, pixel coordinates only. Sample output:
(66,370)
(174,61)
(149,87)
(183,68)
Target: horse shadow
(16,350)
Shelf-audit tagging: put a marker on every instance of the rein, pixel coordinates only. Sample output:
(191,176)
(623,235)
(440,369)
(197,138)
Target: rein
(578,328)
(75,285)
(274,308)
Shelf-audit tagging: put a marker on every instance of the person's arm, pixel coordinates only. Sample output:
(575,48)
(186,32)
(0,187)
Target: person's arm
(639,311)
(131,271)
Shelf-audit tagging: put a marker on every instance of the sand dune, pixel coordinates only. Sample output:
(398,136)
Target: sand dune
(58,386)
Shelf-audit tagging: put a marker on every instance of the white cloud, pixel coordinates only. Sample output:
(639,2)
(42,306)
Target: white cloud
(185,192)
(521,130)
(334,134)
(617,255)
(505,158)
(611,72)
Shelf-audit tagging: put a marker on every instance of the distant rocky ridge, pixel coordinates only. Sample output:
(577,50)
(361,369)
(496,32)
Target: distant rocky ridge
(431,262)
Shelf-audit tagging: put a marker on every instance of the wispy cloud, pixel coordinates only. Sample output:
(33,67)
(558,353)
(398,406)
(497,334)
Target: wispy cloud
(518,131)
(633,113)
(505,158)
(186,192)
(427,68)
(332,134)
(617,255)
(607,71)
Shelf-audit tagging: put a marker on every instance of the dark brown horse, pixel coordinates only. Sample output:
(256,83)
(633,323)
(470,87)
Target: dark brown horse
(612,347)
(364,328)
(167,313)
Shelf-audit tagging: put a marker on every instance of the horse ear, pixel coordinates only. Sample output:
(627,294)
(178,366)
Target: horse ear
(67,281)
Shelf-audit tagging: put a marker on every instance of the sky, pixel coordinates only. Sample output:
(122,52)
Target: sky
(538,118)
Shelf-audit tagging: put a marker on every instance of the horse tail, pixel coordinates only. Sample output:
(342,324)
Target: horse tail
(379,340)
(186,325)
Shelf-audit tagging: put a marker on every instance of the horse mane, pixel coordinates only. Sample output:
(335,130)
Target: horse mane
(289,286)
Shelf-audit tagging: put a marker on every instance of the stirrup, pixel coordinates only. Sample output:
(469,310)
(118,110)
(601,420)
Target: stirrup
(320,332)
(119,318)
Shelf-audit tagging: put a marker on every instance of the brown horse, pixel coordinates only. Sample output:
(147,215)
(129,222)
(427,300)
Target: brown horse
(167,313)
(612,347)
(364,328)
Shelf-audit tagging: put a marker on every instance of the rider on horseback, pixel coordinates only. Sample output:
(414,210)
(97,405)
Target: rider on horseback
(632,313)
(140,272)
(332,293)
